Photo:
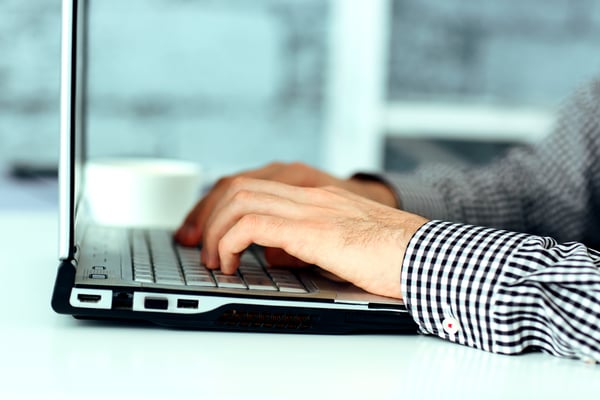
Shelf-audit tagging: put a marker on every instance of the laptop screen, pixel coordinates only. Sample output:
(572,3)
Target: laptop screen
(72,124)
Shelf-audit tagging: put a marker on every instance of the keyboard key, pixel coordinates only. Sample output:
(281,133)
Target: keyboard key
(204,281)
(144,279)
(156,258)
(143,271)
(229,281)
(169,280)
(286,281)
(246,269)
(259,283)
(291,288)
(248,259)
(196,267)
(161,278)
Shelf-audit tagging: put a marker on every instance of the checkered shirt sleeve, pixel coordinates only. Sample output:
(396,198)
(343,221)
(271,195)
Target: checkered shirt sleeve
(483,286)
(550,189)
(504,292)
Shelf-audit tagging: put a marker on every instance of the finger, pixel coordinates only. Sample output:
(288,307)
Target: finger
(190,231)
(315,197)
(243,184)
(265,172)
(228,194)
(265,230)
(251,196)
(307,196)
(296,174)
(299,174)
(243,203)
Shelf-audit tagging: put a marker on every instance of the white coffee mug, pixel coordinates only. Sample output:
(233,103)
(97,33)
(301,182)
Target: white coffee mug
(141,192)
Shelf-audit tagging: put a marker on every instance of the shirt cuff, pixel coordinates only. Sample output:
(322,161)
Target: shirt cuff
(449,274)
(417,197)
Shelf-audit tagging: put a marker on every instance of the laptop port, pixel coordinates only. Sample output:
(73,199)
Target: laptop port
(100,299)
(187,303)
(88,298)
(123,300)
(156,303)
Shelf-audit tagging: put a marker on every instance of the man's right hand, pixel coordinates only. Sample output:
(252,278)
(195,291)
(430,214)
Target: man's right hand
(355,238)
(296,174)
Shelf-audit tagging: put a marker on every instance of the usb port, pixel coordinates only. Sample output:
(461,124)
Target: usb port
(156,303)
(88,298)
(187,303)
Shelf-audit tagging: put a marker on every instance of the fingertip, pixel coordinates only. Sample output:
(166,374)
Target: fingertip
(178,234)
(188,235)
(203,257)
(210,263)
(230,265)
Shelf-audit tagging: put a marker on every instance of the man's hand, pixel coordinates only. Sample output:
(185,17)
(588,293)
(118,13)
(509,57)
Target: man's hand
(296,174)
(355,238)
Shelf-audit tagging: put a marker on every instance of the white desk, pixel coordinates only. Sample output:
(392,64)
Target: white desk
(45,355)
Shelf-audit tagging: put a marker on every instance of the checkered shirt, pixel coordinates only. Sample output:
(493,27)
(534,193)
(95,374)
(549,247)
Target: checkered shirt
(506,263)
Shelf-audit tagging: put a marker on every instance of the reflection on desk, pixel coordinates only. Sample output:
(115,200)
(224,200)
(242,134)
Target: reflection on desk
(50,355)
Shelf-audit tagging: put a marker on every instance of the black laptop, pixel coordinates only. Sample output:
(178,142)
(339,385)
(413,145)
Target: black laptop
(136,274)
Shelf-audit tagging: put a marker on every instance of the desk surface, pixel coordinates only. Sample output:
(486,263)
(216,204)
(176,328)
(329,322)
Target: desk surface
(55,356)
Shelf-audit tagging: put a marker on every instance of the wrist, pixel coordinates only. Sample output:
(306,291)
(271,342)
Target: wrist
(373,189)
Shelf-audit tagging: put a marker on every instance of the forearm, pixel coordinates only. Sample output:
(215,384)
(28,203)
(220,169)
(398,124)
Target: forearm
(551,188)
(503,292)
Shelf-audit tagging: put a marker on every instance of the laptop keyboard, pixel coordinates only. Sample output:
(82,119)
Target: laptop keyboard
(157,259)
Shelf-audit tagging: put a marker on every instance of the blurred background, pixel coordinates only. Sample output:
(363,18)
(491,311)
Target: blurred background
(343,85)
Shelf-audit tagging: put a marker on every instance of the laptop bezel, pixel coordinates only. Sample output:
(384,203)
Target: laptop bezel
(72,115)
(66,178)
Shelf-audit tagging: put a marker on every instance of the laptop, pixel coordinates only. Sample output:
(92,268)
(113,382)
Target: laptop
(134,274)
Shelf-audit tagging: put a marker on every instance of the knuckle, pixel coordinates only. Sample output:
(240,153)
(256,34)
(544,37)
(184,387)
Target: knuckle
(223,183)
(242,195)
(249,221)
(237,183)
(231,182)
(298,166)
(331,188)
(334,192)
(320,194)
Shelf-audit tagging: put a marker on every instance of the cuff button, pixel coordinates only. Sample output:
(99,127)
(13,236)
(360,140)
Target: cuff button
(450,325)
